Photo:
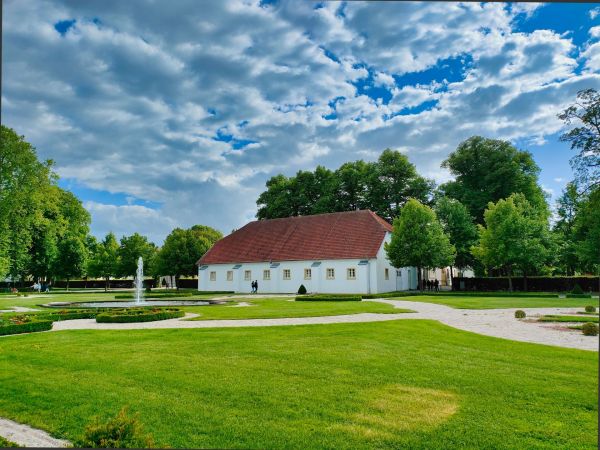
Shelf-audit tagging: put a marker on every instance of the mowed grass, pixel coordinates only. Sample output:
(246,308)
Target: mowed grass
(398,384)
(266,308)
(469,302)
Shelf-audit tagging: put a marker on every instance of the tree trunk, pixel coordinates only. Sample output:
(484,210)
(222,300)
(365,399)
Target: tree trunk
(67,284)
(419,279)
(525,281)
(510,286)
(106,281)
(177,282)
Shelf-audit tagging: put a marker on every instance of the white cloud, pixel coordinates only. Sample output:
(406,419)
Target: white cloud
(132,102)
(594,13)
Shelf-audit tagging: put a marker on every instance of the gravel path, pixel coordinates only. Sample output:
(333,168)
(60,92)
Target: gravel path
(25,436)
(491,322)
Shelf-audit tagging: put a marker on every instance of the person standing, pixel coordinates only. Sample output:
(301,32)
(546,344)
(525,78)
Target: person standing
(436,283)
(255,286)
(252,285)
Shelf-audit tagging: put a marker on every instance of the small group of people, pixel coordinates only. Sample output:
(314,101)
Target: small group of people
(41,287)
(432,285)
(254,285)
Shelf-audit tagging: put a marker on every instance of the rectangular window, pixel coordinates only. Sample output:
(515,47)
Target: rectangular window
(213,276)
(247,275)
(351,273)
(287,274)
(330,274)
(387,274)
(266,274)
(230,275)
(307,274)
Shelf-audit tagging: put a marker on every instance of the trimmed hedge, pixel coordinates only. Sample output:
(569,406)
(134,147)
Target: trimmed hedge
(215,292)
(579,296)
(590,309)
(26,327)
(590,329)
(139,315)
(156,295)
(329,298)
(520,314)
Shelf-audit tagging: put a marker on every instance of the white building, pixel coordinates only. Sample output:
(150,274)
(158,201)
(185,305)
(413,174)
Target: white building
(331,253)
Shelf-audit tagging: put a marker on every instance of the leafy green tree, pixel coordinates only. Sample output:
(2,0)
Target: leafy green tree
(71,260)
(462,232)
(182,249)
(587,233)
(584,138)
(104,263)
(515,237)
(131,248)
(488,170)
(351,185)
(567,209)
(24,183)
(418,240)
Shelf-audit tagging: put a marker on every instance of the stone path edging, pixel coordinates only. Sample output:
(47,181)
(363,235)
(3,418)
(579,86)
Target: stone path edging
(25,436)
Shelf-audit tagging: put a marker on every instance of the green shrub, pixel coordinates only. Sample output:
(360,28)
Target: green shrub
(520,314)
(214,292)
(30,326)
(590,309)
(579,295)
(121,431)
(139,315)
(329,298)
(577,289)
(7,444)
(302,290)
(590,329)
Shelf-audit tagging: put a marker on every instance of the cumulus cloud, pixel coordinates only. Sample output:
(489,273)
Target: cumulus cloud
(194,108)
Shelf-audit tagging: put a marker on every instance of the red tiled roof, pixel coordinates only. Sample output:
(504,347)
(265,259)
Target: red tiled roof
(343,235)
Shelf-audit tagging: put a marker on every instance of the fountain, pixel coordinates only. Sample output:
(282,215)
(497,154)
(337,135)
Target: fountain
(139,282)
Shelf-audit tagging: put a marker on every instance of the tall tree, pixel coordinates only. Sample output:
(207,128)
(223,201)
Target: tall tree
(515,237)
(183,248)
(585,137)
(488,170)
(131,248)
(587,233)
(351,184)
(104,263)
(418,240)
(567,209)
(460,228)
(24,183)
(71,259)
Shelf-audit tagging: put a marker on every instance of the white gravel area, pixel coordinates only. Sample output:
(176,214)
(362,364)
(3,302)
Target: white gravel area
(490,322)
(19,309)
(25,436)
(241,304)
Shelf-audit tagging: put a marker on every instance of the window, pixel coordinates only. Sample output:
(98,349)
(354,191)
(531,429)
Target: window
(247,275)
(330,274)
(266,274)
(351,273)
(307,274)
(213,276)
(387,273)
(287,274)
(230,275)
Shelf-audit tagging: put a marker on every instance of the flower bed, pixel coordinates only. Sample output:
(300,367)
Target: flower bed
(23,324)
(139,315)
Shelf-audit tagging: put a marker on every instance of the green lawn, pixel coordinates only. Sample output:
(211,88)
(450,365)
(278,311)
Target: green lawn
(468,302)
(555,318)
(5,443)
(282,307)
(399,384)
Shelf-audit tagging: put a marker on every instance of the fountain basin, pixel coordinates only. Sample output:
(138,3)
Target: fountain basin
(134,304)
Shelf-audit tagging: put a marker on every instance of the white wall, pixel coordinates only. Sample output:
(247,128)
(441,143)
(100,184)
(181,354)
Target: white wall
(370,278)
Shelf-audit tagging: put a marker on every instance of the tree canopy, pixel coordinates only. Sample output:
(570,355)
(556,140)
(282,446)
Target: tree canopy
(585,137)
(131,248)
(458,225)
(383,186)
(488,170)
(418,239)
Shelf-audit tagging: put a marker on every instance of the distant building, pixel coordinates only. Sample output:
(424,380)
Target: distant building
(331,253)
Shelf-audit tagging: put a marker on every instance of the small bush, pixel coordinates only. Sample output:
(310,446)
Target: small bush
(520,314)
(139,315)
(589,329)
(590,309)
(302,290)
(577,289)
(121,431)
(329,298)
(579,295)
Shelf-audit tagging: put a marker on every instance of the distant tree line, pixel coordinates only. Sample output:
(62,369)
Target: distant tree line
(493,216)
(45,234)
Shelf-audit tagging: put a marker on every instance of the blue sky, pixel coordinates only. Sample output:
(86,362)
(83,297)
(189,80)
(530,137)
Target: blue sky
(171,114)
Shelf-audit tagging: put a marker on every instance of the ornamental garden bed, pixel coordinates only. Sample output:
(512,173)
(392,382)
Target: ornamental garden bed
(23,324)
(557,318)
(139,315)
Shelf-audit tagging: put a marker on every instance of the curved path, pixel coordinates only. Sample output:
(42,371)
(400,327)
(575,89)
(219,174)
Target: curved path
(25,436)
(491,322)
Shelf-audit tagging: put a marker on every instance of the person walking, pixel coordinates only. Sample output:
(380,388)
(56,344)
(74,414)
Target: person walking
(436,283)
(252,287)
(255,286)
